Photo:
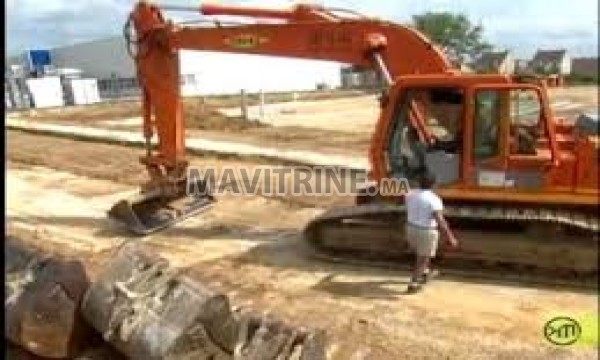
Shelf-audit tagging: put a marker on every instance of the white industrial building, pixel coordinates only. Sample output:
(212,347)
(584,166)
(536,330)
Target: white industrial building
(107,61)
(202,73)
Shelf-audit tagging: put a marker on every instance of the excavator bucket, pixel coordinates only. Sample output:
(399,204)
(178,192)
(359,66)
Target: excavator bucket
(148,213)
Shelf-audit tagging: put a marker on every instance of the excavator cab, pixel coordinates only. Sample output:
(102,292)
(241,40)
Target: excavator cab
(484,135)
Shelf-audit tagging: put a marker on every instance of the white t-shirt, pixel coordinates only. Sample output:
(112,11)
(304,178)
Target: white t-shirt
(420,205)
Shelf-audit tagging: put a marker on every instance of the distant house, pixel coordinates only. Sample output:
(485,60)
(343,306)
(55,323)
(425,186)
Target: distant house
(587,67)
(551,62)
(495,62)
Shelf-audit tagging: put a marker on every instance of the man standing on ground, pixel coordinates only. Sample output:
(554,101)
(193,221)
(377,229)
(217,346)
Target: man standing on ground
(424,214)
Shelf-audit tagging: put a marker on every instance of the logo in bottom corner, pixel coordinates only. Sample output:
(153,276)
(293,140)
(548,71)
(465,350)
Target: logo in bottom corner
(562,330)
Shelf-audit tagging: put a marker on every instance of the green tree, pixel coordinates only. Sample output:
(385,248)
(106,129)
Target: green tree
(462,40)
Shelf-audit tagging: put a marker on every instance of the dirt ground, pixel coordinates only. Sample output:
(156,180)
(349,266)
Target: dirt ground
(329,122)
(582,94)
(58,191)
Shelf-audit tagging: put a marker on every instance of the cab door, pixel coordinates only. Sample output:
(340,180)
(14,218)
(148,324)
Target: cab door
(489,163)
(529,148)
(510,146)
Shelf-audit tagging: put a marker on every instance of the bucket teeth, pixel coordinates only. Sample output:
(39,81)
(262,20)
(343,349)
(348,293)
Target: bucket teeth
(123,213)
(145,215)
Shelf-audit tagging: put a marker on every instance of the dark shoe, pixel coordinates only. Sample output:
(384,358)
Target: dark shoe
(430,275)
(414,287)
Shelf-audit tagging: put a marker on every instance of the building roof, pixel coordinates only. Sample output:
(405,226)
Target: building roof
(549,56)
(491,60)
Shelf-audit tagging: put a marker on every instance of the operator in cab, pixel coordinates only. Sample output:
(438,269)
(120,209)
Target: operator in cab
(424,221)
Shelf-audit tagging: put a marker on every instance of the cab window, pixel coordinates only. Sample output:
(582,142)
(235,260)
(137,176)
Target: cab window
(520,108)
(427,131)
(486,125)
(524,121)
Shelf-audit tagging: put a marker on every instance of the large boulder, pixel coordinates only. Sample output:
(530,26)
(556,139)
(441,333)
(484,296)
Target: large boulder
(147,310)
(42,301)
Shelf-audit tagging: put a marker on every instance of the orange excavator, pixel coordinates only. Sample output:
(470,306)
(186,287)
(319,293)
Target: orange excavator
(503,162)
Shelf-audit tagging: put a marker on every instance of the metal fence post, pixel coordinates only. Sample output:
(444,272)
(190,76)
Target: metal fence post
(262,104)
(243,104)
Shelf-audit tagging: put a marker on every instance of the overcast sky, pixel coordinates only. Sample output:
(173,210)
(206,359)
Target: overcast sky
(521,26)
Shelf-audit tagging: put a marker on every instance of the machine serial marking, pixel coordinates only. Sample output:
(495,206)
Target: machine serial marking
(330,39)
(245,41)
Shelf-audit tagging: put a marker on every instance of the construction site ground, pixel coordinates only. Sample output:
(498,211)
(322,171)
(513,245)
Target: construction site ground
(250,247)
(328,123)
(338,122)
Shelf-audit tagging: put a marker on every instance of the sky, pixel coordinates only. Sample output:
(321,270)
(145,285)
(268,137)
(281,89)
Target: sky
(520,26)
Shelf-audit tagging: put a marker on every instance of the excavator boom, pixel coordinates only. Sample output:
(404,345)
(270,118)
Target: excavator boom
(305,31)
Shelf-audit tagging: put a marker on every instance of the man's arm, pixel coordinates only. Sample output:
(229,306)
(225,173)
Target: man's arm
(443,225)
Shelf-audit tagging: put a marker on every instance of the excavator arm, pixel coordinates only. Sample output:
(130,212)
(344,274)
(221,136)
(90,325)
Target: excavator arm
(304,31)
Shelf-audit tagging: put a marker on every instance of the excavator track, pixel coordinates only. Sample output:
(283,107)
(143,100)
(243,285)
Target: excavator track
(541,246)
